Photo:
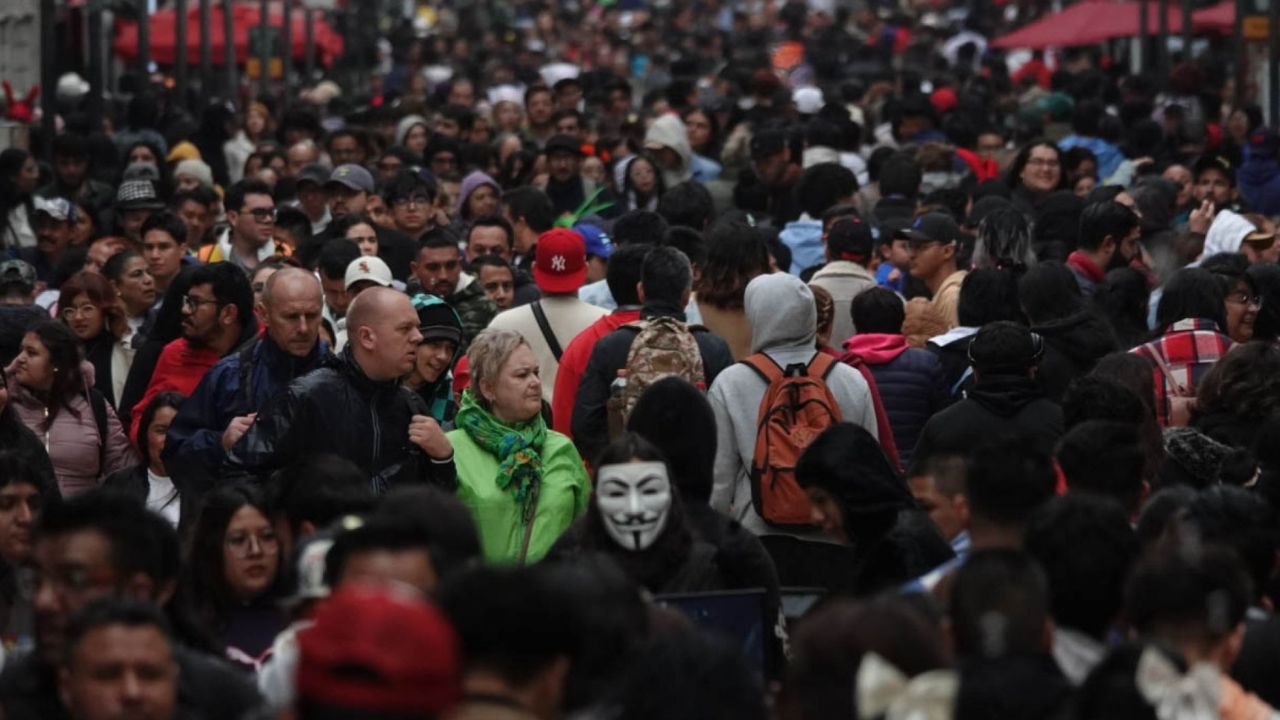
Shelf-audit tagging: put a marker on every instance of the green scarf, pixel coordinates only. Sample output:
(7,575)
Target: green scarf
(518,449)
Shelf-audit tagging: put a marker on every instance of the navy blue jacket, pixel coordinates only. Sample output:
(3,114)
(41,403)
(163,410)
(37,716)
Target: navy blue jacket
(913,386)
(195,436)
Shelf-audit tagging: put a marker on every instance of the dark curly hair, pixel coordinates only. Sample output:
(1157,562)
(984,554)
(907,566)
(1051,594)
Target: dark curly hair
(1245,383)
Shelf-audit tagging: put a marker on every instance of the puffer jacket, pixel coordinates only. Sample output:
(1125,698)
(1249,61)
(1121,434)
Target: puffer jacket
(911,382)
(338,409)
(80,456)
(1073,345)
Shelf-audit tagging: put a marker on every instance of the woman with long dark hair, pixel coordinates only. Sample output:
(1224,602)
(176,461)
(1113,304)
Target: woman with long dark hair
(1036,172)
(51,390)
(232,572)
(19,176)
(88,306)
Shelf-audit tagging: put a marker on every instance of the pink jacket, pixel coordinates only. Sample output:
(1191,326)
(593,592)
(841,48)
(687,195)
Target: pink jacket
(72,440)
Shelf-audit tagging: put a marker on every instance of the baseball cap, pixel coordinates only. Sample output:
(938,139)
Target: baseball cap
(17,272)
(597,240)
(59,209)
(850,239)
(1005,347)
(944,100)
(564,144)
(379,649)
(808,100)
(1210,161)
(312,555)
(367,268)
(437,319)
(352,176)
(560,264)
(767,143)
(934,227)
(313,173)
(137,195)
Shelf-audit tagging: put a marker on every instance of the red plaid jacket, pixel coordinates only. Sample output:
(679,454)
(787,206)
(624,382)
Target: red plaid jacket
(1189,348)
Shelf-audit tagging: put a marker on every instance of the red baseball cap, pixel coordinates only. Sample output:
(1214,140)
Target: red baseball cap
(560,264)
(374,649)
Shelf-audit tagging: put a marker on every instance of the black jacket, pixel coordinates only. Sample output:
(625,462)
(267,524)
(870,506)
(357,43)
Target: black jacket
(1073,346)
(997,405)
(338,409)
(133,481)
(590,410)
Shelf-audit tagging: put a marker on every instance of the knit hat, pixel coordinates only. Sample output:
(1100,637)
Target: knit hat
(437,320)
(184,150)
(379,651)
(197,169)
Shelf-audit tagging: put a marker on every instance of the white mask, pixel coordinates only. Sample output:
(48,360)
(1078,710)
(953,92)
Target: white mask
(634,501)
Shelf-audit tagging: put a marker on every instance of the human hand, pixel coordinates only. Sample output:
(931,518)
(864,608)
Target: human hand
(426,433)
(1201,218)
(236,430)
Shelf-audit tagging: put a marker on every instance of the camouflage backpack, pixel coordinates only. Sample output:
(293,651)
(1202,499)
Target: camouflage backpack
(663,346)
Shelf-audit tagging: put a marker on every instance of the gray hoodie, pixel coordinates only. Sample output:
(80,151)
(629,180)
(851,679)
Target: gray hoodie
(783,321)
(669,131)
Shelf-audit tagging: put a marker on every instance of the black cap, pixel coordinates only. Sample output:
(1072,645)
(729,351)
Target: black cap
(1211,161)
(437,320)
(1005,347)
(934,227)
(767,143)
(850,239)
(564,144)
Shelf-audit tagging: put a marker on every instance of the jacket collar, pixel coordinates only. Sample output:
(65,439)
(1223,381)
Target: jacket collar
(348,366)
(658,308)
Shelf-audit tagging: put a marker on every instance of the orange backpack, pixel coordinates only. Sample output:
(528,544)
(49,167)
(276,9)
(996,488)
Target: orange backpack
(796,408)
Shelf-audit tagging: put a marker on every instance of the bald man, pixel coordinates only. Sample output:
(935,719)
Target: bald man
(224,403)
(356,406)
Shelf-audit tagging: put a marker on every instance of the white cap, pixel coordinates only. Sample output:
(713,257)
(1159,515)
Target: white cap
(367,268)
(72,87)
(808,100)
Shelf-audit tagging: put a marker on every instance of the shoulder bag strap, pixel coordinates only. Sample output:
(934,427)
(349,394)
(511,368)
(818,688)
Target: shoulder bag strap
(531,515)
(545,327)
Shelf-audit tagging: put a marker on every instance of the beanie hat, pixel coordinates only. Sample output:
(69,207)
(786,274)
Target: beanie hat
(197,169)
(437,320)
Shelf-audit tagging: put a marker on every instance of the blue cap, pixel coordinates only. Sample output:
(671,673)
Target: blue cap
(598,241)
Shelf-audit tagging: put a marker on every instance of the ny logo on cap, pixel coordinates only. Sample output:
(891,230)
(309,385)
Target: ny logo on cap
(557,263)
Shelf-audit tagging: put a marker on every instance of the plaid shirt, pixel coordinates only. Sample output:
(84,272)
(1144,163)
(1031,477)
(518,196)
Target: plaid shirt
(1189,348)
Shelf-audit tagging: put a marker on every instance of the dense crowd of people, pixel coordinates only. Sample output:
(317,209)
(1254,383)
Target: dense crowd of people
(626,362)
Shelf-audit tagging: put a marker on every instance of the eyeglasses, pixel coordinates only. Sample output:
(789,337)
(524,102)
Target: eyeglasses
(448,266)
(193,303)
(262,215)
(70,313)
(1244,298)
(1042,162)
(419,200)
(243,543)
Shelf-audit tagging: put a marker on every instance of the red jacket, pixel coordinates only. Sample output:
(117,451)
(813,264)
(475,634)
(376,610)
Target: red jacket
(180,369)
(574,361)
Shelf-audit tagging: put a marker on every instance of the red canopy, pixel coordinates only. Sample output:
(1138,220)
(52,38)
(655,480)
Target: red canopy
(1220,18)
(243,16)
(1088,22)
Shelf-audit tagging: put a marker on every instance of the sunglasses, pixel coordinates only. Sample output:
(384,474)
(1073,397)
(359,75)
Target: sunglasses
(262,214)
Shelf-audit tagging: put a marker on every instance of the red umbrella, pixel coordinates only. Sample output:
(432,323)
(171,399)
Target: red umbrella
(1219,19)
(163,35)
(1086,23)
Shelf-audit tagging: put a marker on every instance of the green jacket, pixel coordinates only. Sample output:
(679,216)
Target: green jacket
(565,492)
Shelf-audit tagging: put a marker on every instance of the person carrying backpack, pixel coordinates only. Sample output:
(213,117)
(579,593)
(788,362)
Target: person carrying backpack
(626,361)
(769,408)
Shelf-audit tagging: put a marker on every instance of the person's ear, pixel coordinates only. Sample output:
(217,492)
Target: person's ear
(228,314)
(485,387)
(260,309)
(1108,244)
(640,292)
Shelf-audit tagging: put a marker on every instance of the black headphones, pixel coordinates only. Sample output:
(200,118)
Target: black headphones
(1035,352)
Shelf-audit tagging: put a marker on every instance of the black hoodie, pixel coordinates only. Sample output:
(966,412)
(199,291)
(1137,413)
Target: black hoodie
(998,405)
(1073,345)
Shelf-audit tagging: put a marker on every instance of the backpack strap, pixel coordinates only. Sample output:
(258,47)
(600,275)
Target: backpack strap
(98,403)
(765,367)
(545,326)
(822,366)
(246,376)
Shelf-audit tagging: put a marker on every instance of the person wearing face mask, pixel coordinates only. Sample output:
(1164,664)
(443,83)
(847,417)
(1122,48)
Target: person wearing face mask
(637,518)
(431,378)
(523,482)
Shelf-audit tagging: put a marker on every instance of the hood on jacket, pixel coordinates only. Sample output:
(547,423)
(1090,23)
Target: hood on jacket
(781,312)
(1226,234)
(668,131)
(470,184)
(1005,395)
(406,124)
(818,154)
(676,417)
(876,348)
(1083,337)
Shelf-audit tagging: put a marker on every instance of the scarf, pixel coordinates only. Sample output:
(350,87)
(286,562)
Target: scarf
(518,449)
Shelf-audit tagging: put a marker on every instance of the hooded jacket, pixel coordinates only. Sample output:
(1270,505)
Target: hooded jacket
(911,382)
(338,409)
(80,456)
(1259,181)
(668,131)
(1226,234)
(1073,345)
(406,124)
(783,320)
(470,184)
(804,238)
(997,405)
